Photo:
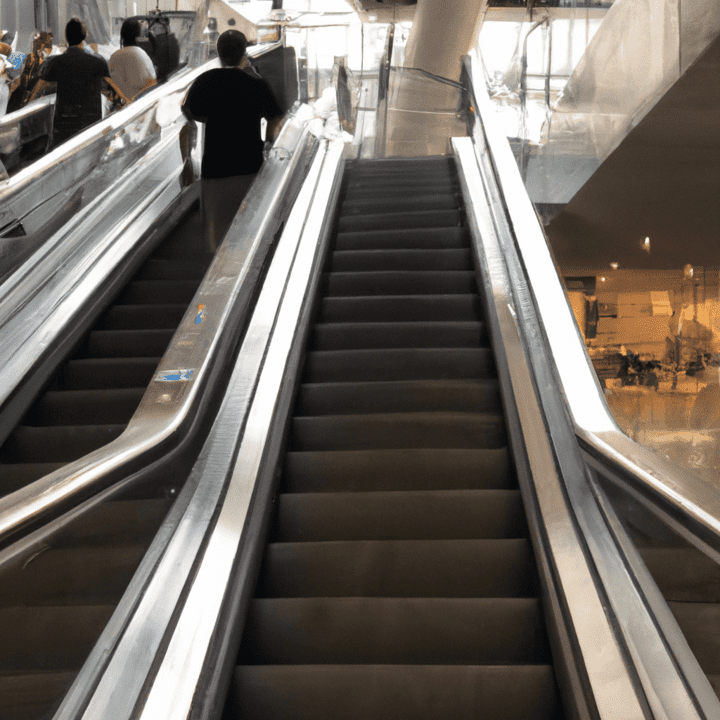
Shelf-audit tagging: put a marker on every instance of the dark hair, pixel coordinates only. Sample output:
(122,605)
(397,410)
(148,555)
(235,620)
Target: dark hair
(231,46)
(130,30)
(75,31)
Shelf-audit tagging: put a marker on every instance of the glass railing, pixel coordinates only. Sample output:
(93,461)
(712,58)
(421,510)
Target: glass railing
(573,95)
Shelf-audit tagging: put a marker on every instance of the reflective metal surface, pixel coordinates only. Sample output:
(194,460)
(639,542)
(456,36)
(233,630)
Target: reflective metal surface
(165,404)
(601,652)
(673,683)
(686,493)
(231,455)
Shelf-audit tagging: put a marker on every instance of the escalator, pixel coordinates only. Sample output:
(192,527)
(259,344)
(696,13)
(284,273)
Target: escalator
(96,391)
(399,579)
(56,600)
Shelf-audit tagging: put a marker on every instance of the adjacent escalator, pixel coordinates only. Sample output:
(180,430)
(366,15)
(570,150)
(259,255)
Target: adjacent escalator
(97,390)
(57,597)
(399,580)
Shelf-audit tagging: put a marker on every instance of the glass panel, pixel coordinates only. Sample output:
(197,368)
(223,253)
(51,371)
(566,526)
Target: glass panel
(688,579)
(571,82)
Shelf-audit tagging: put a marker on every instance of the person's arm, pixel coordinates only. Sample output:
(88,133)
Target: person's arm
(273,128)
(116,91)
(40,86)
(192,107)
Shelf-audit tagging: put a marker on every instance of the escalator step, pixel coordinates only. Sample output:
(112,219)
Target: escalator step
(406,469)
(404,203)
(158,292)
(72,576)
(160,268)
(49,639)
(327,366)
(28,697)
(398,282)
(429,260)
(85,407)
(401,396)
(121,521)
(411,239)
(56,444)
(128,343)
(397,430)
(400,515)
(401,308)
(700,623)
(370,189)
(14,477)
(104,373)
(425,631)
(431,218)
(400,692)
(142,317)
(357,336)
(417,568)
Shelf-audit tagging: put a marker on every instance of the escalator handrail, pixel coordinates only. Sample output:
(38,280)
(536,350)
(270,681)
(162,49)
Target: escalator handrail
(665,668)
(674,491)
(178,382)
(191,579)
(632,664)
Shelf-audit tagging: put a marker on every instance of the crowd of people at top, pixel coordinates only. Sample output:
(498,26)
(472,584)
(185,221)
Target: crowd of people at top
(79,76)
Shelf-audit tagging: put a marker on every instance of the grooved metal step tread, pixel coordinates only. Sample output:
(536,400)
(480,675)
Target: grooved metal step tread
(376,335)
(49,639)
(142,317)
(400,396)
(401,308)
(432,260)
(28,697)
(85,407)
(411,239)
(104,373)
(15,476)
(397,430)
(430,218)
(683,574)
(407,568)
(426,631)
(115,521)
(405,203)
(64,443)
(400,469)
(325,366)
(400,692)
(366,189)
(398,282)
(128,343)
(158,292)
(400,515)
(700,623)
(73,576)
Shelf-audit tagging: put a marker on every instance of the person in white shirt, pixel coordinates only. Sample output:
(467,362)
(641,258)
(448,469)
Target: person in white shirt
(131,67)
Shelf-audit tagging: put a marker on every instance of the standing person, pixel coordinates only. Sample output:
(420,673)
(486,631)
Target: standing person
(131,67)
(79,76)
(30,75)
(231,103)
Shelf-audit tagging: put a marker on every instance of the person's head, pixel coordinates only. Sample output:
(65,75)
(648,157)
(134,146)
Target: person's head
(75,31)
(130,30)
(231,46)
(42,42)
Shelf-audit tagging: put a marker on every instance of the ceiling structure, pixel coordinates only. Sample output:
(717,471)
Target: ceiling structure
(384,11)
(662,182)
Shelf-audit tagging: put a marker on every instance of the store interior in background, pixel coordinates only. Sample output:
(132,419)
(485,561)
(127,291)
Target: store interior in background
(609,111)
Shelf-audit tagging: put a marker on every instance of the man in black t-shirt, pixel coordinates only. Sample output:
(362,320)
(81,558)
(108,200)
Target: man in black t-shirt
(80,76)
(232,103)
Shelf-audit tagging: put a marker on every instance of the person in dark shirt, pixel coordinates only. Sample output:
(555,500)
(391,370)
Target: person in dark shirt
(232,103)
(80,76)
